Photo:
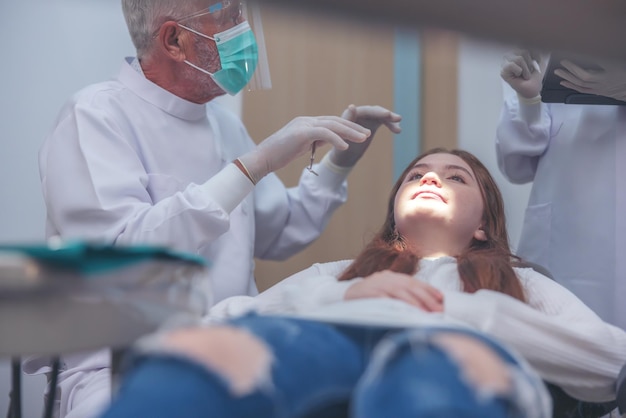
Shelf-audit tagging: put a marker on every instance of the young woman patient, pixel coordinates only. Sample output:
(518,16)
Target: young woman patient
(432,319)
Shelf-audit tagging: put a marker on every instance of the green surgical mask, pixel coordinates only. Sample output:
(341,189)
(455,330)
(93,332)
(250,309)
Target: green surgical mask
(238,53)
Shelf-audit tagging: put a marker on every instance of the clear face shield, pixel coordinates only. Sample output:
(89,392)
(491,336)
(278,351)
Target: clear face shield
(240,42)
(261,79)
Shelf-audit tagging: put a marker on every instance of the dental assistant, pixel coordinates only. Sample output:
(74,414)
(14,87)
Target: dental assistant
(575,155)
(150,158)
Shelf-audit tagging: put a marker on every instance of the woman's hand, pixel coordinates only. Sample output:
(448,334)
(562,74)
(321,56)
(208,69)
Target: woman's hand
(388,284)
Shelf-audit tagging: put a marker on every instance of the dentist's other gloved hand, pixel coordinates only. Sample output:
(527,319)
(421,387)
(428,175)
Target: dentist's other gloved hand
(370,117)
(609,81)
(519,70)
(295,139)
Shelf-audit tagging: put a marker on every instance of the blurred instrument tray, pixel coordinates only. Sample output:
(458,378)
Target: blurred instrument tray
(83,296)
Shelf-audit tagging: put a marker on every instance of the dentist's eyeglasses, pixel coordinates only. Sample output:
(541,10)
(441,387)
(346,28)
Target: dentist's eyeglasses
(223,12)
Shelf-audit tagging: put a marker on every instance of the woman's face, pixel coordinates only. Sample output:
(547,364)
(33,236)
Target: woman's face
(441,189)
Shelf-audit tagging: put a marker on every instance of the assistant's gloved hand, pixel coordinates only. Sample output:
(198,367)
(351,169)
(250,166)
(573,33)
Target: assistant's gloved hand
(609,80)
(296,138)
(370,117)
(521,73)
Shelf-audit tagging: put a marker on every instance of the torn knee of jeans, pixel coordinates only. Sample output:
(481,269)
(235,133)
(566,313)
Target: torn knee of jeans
(241,359)
(480,365)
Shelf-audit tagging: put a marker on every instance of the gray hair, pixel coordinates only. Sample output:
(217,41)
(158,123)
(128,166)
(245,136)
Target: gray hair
(144,17)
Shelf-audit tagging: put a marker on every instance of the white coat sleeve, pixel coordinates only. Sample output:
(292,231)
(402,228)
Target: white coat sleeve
(96,187)
(566,342)
(289,219)
(522,136)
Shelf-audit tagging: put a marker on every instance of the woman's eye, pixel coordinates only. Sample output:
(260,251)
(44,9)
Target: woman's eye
(415,176)
(457,178)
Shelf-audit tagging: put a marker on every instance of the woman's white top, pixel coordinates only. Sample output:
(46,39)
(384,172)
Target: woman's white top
(554,331)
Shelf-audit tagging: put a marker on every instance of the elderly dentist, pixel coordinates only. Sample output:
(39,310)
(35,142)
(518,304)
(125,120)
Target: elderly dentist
(575,155)
(150,157)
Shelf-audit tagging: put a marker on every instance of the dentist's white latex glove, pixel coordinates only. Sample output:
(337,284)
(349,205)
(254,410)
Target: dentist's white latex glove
(519,71)
(370,117)
(609,81)
(295,139)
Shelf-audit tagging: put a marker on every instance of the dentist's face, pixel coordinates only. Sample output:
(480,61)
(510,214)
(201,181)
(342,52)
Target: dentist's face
(204,53)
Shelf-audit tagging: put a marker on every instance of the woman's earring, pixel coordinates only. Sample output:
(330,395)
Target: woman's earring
(480,235)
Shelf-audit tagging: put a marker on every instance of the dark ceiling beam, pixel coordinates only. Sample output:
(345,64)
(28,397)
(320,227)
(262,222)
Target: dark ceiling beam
(593,27)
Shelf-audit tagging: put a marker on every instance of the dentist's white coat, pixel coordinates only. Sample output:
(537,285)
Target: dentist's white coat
(130,163)
(575,223)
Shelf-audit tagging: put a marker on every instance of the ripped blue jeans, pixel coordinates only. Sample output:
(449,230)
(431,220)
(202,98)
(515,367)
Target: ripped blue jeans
(327,370)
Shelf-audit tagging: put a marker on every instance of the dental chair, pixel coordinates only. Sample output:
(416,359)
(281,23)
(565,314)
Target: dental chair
(621,391)
(564,406)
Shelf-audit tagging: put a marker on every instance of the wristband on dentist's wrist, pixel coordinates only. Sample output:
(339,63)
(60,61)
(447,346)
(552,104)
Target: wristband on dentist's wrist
(245,171)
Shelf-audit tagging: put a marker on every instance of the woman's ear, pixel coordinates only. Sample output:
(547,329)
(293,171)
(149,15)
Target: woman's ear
(171,41)
(480,235)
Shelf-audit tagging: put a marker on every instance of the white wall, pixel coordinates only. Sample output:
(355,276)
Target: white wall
(480,101)
(53,48)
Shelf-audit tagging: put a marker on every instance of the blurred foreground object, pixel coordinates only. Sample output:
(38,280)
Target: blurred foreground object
(81,296)
(587,27)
